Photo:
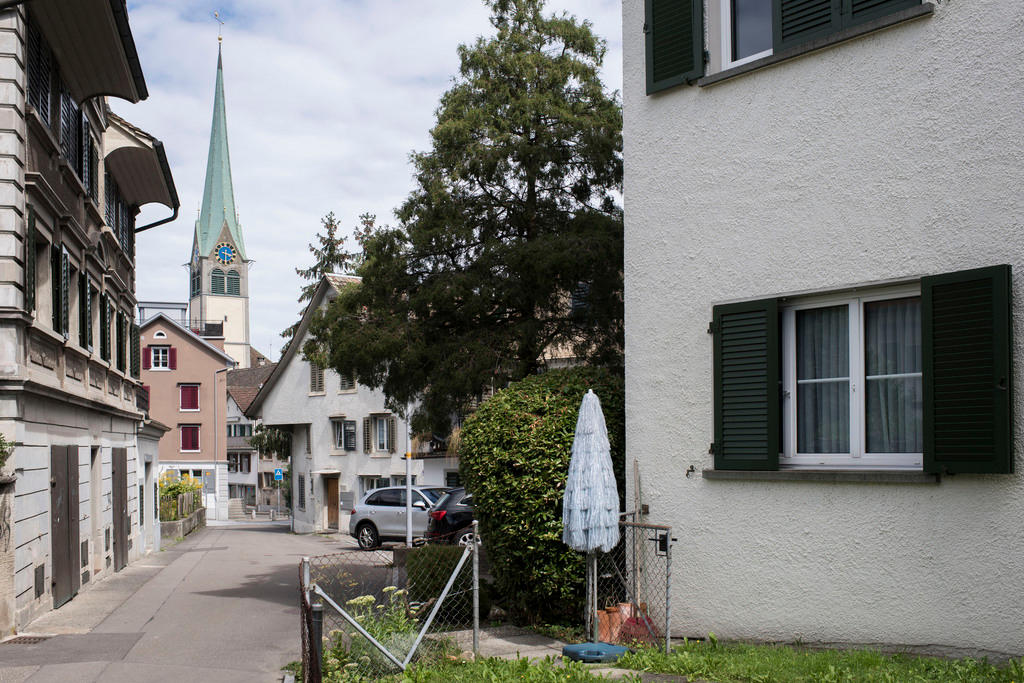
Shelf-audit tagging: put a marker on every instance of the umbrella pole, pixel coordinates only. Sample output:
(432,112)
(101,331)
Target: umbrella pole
(592,561)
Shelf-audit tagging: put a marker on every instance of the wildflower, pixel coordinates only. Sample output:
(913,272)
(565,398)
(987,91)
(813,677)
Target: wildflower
(389,589)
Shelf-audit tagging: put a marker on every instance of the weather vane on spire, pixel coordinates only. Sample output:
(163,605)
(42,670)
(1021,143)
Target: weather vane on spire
(220,28)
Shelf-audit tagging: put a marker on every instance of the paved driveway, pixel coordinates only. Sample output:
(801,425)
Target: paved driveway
(222,605)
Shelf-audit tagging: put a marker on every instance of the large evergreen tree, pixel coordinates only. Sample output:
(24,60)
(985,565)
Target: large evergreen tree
(513,212)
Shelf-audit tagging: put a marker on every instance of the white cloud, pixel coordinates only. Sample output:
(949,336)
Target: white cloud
(325,102)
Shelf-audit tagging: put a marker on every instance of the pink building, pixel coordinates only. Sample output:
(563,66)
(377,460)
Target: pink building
(186,377)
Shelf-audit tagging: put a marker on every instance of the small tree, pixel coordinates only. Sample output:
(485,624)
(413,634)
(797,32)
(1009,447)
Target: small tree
(279,442)
(330,256)
(514,457)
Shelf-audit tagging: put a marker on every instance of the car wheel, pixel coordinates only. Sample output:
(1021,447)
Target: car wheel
(367,536)
(464,537)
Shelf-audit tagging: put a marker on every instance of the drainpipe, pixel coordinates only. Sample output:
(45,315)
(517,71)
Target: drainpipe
(216,430)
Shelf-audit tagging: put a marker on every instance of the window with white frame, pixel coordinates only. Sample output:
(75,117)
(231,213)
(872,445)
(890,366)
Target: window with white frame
(189,438)
(188,397)
(381,433)
(746,31)
(160,357)
(370,483)
(338,433)
(913,377)
(852,382)
(749,30)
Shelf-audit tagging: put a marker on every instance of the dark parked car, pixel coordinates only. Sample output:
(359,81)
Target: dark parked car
(451,518)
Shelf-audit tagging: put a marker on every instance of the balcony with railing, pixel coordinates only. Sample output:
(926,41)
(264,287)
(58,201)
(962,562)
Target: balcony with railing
(207,328)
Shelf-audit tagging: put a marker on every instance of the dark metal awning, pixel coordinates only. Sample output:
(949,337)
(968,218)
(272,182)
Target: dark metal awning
(94,45)
(138,163)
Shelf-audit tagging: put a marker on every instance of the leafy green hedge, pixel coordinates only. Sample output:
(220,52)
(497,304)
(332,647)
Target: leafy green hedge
(514,458)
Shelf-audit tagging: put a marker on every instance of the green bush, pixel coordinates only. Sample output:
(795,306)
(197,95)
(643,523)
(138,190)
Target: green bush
(429,568)
(514,457)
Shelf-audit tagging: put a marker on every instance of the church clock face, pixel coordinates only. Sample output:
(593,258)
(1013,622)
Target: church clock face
(225,253)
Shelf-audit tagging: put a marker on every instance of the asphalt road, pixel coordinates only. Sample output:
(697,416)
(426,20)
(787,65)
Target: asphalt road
(222,605)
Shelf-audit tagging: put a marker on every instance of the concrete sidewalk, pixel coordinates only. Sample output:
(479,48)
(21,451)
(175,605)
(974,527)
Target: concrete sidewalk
(222,605)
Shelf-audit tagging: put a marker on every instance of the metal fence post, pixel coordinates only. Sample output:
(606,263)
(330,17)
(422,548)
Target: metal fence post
(476,589)
(668,591)
(305,578)
(317,636)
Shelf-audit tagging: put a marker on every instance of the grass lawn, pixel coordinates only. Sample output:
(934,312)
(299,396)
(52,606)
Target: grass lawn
(501,671)
(738,663)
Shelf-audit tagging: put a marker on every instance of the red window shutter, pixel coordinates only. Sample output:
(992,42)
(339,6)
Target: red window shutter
(147,354)
(189,397)
(172,358)
(189,438)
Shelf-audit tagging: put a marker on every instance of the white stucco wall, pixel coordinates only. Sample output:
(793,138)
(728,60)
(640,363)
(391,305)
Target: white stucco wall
(895,155)
(47,423)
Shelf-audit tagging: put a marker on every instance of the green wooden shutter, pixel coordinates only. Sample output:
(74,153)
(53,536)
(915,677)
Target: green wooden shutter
(967,371)
(65,293)
(83,307)
(30,262)
(104,327)
(367,436)
(392,427)
(674,42)
(798,21)
(55,316)
(746,368)
(88,313)
(859,11)
(134,350)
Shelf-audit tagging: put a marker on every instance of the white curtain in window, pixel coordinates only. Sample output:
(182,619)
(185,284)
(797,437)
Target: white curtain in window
(823,380)
(892,365)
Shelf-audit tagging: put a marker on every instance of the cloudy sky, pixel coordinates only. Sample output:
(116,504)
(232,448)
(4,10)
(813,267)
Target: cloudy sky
(326,99)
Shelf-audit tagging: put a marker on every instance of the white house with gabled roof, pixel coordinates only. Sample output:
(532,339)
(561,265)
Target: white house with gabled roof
(345,442)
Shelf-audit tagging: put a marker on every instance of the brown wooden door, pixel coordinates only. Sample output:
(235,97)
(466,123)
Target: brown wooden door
(332,503)
(64,551)
(122,522)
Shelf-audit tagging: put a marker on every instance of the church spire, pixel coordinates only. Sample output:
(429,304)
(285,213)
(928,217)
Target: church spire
(218,205)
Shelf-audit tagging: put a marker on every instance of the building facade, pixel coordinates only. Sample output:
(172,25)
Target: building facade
(185,377)
(72,176)
(821,229)
(344,441)
(218,266)
(243,386)
(243,467)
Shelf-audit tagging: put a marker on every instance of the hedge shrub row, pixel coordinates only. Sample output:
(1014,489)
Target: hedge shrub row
(514,458)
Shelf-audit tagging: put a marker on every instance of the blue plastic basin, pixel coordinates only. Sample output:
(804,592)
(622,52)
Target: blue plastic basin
(594,652)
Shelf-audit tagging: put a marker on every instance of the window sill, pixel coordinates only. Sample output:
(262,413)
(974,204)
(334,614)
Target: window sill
(908,14)
(827,476)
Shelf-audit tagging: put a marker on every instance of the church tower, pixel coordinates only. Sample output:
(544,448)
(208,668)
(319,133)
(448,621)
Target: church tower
(219,268)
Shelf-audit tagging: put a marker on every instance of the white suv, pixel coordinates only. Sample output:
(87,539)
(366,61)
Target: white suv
(380,515)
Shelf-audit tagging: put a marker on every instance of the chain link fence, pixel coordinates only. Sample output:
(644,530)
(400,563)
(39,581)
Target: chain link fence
(378,611)
(370,614)
(630,600)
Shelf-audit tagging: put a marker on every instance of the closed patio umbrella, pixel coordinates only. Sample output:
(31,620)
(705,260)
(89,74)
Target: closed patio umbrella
(590,505)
